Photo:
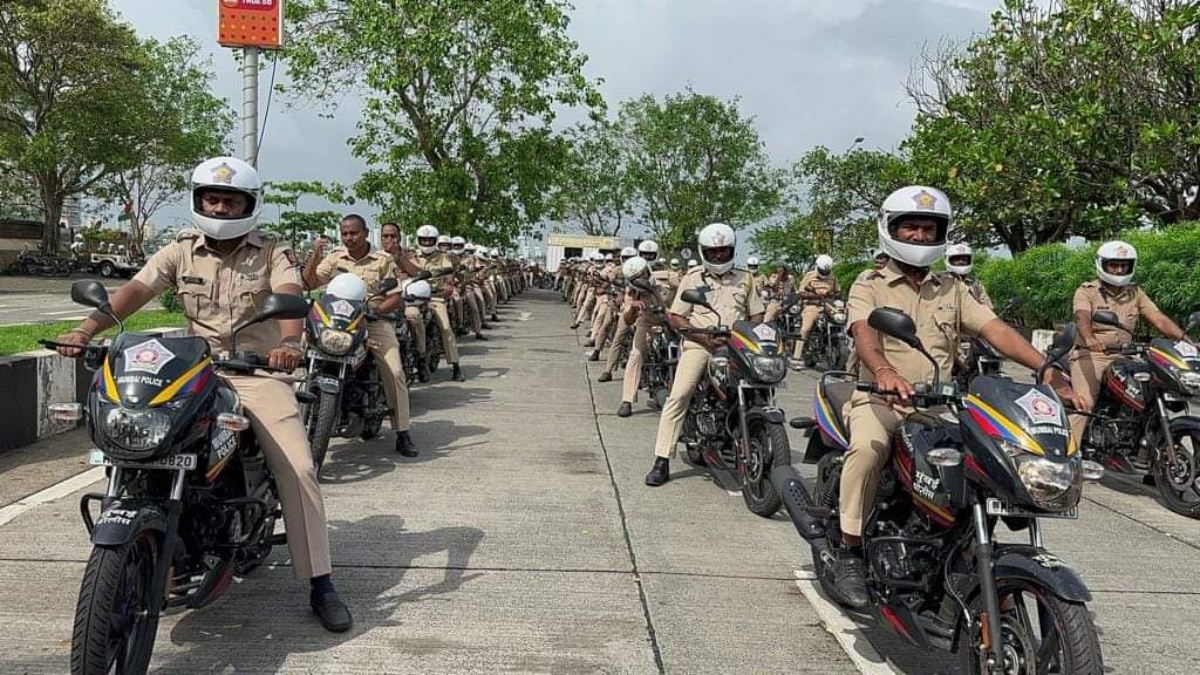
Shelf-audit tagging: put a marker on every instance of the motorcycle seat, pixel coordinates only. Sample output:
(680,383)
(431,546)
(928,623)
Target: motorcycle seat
(838,395)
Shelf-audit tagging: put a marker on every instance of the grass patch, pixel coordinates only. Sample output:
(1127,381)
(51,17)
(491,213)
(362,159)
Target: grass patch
(24,337)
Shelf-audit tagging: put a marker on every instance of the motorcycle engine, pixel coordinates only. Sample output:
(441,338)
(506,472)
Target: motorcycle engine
(907,554)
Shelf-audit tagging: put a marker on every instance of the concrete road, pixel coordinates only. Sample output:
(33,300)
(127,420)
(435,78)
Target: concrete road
(42,299)
(523,540)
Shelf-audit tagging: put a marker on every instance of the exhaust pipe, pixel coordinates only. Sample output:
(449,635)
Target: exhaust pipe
(798,503)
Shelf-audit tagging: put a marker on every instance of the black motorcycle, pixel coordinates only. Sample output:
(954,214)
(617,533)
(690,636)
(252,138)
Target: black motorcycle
(345,396)
(828,342)
(733,425)
(959,465)
(1140,424)
(190,502)
(662,353)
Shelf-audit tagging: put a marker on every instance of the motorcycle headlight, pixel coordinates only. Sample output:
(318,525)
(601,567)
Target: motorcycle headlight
(1048,482)
(839,304)
(1190,379)
(839,317)
(794,309)
(336,342)
(768,369)
(136,430)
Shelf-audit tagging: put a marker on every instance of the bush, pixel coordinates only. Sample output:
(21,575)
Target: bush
(170,300)
(1045,277)
(847,272)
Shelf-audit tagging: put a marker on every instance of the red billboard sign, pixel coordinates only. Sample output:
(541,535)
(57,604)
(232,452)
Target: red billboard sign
(250,23)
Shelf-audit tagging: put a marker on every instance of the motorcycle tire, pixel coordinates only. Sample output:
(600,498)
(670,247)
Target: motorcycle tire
(827,472)
(1176,482)
(371,429)
(323,414)
(769,447)
(1079,645)
(117,580)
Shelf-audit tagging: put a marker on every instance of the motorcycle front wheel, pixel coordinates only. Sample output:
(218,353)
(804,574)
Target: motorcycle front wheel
(769,448)
(1043,634)
(322,415)
(113,630)
(1177,480)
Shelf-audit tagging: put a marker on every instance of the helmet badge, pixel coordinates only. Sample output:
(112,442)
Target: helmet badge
(223,174)
(924,200)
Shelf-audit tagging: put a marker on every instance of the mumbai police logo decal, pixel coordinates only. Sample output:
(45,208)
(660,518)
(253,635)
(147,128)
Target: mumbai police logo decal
(223,174)
(147,357)
(924,200)
(342,308)
(1039,407)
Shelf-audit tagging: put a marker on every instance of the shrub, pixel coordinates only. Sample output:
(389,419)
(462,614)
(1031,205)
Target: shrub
(170,300)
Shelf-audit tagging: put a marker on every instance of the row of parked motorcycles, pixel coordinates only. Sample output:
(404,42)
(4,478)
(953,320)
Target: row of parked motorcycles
(190,502)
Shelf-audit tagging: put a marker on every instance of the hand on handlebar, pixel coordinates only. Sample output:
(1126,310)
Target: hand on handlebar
(72,338)
(286,358)
(1094,344)
(887,379)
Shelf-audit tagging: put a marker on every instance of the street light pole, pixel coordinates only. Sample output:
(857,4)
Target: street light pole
(250,105)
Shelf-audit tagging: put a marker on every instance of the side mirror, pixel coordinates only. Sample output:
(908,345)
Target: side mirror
(388,285)
(641,284)
(424,275)
(1106,318)
(89,292)
(278,306)
(695,297)
(896,324)
(1192,322)
(1063,342)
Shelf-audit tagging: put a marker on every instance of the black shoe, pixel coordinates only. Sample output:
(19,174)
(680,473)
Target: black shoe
(405,445)
(423,369)
(497,320)
(456,374)
(849,577)
(661,473)
(480,336)
(485,326)
(604,377)
(594,355)
(331,611)
(589,343)
(625,410)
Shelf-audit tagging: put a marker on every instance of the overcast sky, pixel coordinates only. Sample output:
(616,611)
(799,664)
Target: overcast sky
(812,72)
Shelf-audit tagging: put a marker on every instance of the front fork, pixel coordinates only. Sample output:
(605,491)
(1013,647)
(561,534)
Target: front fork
(993,640)
(1168,442)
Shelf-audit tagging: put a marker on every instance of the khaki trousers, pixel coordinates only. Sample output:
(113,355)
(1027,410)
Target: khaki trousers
(1087,369)
(871,423)
(637,355)
(585,308)
(605,309)
(610,363)
(489,298)
(693,364)
(773,308)
(274,415)
(808,317)
(437,305)
(475,308)
(381,340)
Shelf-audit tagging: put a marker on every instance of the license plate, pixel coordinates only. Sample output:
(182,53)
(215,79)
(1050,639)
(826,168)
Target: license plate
(170,462)
(997,507)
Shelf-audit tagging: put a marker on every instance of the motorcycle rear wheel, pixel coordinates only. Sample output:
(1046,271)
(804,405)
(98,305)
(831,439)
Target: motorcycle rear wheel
(113,631)
(1063,640)
(769,448)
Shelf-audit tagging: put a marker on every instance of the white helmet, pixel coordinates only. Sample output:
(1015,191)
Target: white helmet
(228,174)
(915,201)
(675,263)
(417,290)
(957,251)
(752,262)
(635,267)
(628,252)
(824,265)
(348,286)
(693,263)
(458,243)
(1111,251)
(717,235)
(427,236)
(443,239)
(469,247)
(648,249)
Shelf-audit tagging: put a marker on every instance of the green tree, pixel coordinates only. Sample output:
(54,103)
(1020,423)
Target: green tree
(182,125)
(694,159)
(593,191)
(68,71)
(459,96)
(296,224)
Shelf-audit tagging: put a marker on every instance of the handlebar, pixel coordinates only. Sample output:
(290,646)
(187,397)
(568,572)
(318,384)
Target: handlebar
(919,399)
(1127,350)
(51,344)
(245,362)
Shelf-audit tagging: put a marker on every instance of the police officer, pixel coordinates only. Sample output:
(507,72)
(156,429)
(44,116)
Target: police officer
(221,271)
(913,225)
(607,304)
(960,260)
(648,251)
(878,262)
(775,289)
(441,266)
(733,295)
(1114,291)
(752,264)
(816,286)
(638,316)
(355,256)
(389,238)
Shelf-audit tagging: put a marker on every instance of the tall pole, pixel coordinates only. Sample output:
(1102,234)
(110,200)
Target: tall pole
(250,104)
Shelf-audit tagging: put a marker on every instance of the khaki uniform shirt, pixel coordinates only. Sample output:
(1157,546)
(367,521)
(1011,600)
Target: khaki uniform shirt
(219,292)
(942,310)
(813,282)
(668,283)
(372,268)
(440,264)
(733,295)
(1128,303)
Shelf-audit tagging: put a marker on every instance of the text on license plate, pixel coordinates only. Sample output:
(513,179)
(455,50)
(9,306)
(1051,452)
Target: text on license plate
(996,507)
(187,462)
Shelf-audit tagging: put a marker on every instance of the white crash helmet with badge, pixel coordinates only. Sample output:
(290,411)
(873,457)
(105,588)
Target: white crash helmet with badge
(824,265)
(228,175)
(417,291)
(915,202)
(348,286)
(443,242)
(1116,251)
(458,244)
(427,239)
(635,267)
(648,249)
(752,262)
(954,259)
(628,252)
(717,243)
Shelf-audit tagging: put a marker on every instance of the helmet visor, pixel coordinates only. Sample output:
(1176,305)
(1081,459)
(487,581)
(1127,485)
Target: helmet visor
(719,255)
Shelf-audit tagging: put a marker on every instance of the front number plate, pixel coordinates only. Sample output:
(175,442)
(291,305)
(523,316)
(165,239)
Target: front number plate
(996,507)
(170,462)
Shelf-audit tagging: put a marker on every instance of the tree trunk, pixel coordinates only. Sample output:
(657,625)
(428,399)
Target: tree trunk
(52,206)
